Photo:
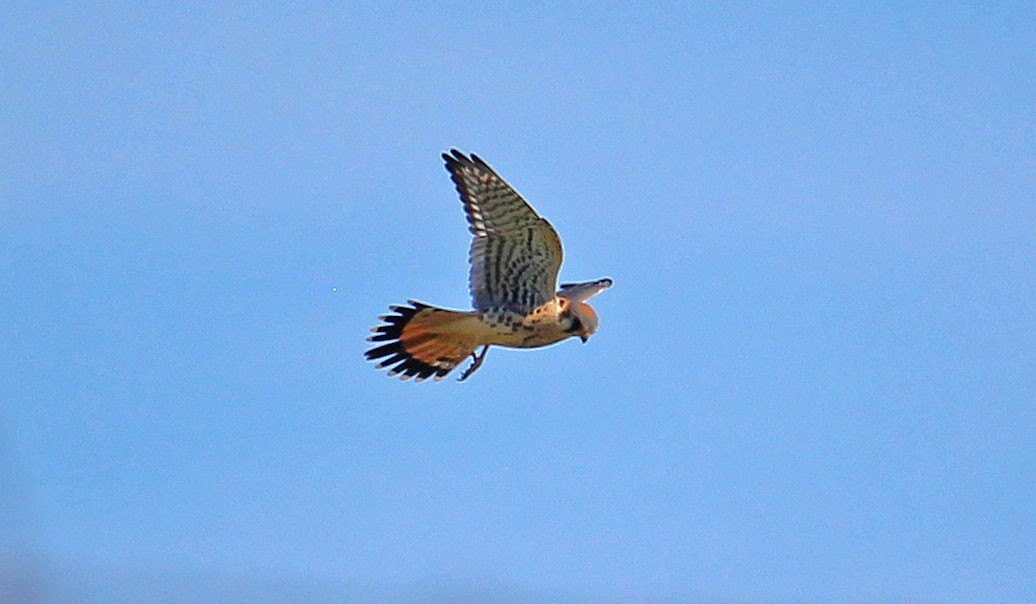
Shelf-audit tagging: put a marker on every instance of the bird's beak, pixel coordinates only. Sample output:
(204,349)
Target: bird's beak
(584,337)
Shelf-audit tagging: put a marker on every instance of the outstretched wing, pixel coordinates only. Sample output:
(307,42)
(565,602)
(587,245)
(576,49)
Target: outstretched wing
(515,254)
(581,292)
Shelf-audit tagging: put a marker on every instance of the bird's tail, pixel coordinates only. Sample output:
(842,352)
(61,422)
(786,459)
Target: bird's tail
(421,341)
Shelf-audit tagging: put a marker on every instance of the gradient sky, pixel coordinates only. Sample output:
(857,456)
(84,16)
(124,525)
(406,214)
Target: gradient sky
(815,375)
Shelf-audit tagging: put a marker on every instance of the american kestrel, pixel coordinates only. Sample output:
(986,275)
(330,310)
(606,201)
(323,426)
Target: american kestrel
(515,256)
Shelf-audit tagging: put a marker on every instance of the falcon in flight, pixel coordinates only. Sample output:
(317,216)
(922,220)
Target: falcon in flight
(515,256)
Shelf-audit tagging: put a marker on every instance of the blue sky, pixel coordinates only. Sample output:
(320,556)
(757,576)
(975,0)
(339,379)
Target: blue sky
(814,379)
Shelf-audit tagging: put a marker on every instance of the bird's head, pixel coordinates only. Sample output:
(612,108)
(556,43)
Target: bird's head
(582,320)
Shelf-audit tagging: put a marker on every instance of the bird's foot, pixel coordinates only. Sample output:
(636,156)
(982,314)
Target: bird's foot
(476,362)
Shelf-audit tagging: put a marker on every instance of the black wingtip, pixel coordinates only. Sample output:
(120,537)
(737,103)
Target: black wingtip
(456,159)
(454,156)
(605,282)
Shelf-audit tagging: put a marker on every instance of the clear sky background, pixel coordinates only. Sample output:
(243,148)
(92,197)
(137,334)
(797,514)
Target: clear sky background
(814,379)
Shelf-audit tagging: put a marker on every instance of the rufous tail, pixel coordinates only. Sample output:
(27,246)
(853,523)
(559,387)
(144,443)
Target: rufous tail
(422,341)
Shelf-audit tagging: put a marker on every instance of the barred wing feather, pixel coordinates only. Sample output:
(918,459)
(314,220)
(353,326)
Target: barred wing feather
(515,254)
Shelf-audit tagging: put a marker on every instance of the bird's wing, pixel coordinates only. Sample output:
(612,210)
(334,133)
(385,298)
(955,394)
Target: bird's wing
(515,254)
(581,292)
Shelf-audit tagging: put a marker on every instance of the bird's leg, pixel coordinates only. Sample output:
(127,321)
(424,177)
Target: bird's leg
(476,362)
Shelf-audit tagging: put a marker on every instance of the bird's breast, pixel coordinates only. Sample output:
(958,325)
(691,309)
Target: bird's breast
(513,331)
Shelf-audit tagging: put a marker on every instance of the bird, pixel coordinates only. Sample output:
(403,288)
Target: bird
(514,259)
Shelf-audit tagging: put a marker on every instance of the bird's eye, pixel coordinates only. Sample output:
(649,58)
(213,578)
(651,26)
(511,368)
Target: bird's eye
(577,325)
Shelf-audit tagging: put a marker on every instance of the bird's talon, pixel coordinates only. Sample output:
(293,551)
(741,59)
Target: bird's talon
(476,362)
